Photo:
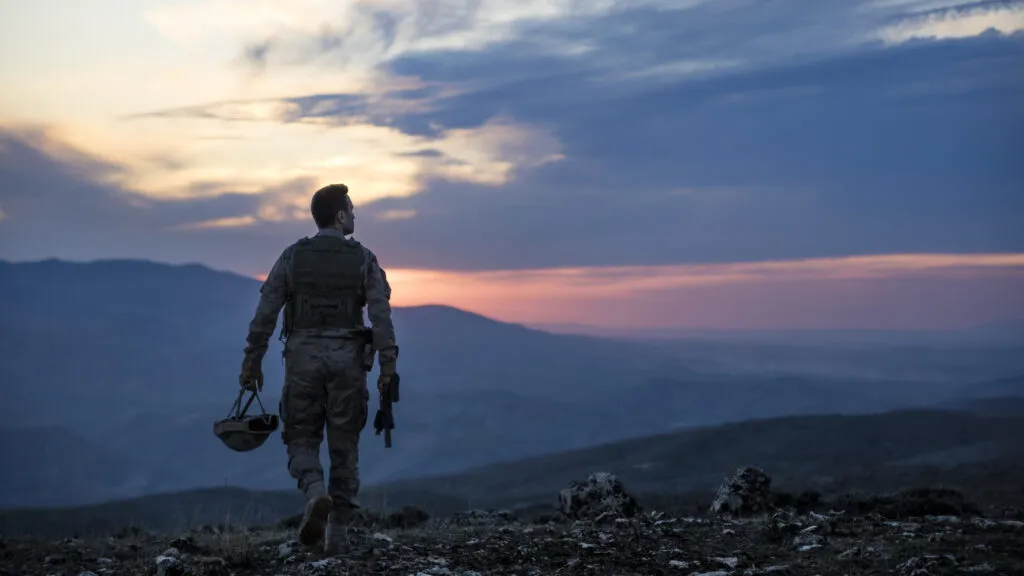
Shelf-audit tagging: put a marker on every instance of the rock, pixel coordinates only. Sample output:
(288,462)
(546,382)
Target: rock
(287,549)
(808,547)
(730,562)
(745,492)
(850,554)
(602,495)
(319,567)
(171,566)
(925,565)
(806,539)
(436,571)
(186,544)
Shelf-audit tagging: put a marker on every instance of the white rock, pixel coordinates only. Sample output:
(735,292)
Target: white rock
(808,547)
(436,571)
(166,565)
(731,562)
(287,549)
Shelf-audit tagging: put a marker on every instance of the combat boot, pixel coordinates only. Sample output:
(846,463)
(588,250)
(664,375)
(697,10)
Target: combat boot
(314,520)
(337,540)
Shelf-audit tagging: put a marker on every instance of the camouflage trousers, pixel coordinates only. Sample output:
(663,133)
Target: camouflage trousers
(325,387)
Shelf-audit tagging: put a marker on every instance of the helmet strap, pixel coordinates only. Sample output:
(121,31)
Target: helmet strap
(238,411)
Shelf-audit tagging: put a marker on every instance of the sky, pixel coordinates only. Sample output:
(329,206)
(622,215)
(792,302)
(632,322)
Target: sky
(652,163)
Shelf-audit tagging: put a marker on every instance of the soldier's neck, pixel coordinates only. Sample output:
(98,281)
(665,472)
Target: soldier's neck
(333,231)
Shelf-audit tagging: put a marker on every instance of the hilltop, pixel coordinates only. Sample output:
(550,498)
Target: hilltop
(598,529)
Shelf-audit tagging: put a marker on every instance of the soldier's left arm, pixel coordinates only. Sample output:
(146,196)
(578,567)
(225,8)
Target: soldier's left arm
(273,293)
(378,309)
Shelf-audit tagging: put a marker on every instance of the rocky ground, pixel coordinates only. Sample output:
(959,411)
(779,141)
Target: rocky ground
(598,529)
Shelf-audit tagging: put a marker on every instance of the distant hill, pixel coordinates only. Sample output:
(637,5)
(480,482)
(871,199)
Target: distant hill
(988,405)
(800,451)
(1001,388)
(1007,333)
(982,455)
(134,360)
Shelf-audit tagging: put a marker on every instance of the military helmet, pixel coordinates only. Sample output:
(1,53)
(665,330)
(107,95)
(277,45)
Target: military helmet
(243,433)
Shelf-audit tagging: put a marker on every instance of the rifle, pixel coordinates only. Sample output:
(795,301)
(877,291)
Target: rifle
(385,419)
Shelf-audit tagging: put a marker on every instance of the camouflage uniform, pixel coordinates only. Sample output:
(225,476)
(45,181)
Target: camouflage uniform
(325,357)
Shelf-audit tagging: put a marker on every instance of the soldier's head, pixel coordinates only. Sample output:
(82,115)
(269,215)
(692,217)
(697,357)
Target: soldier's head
(332,208)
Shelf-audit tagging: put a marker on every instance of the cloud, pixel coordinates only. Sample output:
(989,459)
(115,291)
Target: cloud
(248,146)
(48,185)
(901,149)
(396,214)
(945,22)
(488,135)
(362,33)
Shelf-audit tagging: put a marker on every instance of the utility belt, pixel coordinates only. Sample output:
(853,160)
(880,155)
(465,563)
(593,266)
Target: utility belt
(363,335)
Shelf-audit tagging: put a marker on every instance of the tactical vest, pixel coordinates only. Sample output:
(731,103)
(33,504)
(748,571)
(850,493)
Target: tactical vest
(327,285)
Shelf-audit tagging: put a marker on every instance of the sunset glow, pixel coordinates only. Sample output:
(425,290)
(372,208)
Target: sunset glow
(814,293)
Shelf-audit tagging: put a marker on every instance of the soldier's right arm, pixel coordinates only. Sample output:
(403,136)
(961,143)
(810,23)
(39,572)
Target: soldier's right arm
(378,309)
(273,293)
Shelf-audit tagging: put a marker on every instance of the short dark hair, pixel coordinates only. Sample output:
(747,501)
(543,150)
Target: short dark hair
(326,204)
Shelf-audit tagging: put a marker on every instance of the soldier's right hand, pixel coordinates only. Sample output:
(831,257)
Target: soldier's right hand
(251,379)
(387,384)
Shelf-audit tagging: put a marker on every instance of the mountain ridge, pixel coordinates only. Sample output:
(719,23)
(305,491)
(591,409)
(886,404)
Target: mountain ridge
(121,264)
(141,359)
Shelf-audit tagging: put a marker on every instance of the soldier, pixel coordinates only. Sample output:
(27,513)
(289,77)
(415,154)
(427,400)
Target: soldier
(323,283)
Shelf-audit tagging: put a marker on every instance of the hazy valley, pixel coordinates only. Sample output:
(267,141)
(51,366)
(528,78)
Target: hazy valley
(113,373)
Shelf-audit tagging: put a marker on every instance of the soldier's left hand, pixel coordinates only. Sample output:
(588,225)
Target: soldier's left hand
(251,378)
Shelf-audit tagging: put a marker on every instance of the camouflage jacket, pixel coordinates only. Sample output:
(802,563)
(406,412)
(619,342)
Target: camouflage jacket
(274,293)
